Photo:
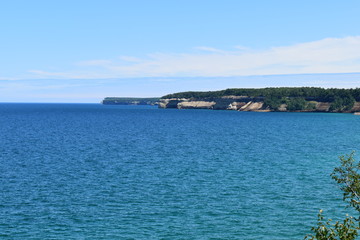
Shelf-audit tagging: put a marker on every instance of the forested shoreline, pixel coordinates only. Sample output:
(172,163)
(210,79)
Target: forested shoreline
(295,98)
(130,101)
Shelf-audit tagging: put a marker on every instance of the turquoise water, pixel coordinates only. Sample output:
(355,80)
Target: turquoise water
(88,171)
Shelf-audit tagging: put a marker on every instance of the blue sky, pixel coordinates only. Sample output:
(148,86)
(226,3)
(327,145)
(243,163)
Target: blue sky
(82,51)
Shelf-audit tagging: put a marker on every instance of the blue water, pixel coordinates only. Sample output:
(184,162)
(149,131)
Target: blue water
(88,171)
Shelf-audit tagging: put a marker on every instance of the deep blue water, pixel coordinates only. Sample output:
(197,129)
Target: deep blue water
(90,171)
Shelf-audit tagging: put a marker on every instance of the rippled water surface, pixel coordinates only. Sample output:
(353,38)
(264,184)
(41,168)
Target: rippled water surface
(88,171)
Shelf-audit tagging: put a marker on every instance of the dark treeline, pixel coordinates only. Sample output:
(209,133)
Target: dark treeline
(296,98)
(310,93)
(130,101)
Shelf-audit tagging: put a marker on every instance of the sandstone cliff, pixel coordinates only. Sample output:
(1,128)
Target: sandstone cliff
(242,103)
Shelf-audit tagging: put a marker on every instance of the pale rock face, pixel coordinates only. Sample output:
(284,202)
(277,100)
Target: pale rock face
(356,107)
(255,106)
(232,106)
(163,103)
(322,106)
(235,105)
(243,108)
(252,106)
(282,108)
(196,104)
(171,102)
(239,104)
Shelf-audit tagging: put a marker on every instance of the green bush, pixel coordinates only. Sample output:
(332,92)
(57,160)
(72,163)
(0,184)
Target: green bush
(347,175)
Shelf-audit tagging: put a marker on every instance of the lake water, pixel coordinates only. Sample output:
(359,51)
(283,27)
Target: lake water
(91,171)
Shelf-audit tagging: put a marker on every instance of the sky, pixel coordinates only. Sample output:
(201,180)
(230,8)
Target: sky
(82,51)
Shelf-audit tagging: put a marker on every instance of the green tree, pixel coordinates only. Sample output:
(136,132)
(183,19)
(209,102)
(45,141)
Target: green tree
(326,230)
(347,175)
(297,103)
(273,102)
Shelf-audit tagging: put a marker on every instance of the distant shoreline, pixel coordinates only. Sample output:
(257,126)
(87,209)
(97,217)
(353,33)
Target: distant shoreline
(282,99)
(130,101)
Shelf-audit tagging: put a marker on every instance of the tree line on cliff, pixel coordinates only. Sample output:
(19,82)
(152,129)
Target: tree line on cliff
(296,98)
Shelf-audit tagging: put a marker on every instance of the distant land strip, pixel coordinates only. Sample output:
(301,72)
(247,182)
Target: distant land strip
(130,101)
(282,99)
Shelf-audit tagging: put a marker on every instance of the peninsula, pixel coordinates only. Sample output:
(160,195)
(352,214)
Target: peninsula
(283,99)
(130,101)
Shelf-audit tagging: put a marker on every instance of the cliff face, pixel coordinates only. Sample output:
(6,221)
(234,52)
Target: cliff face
(223,103)
(241,104)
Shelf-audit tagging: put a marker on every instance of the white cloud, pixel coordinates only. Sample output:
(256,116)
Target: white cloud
(242,48)
(7,78)
(40,74)
(210,49)
(330,55)
(48,74)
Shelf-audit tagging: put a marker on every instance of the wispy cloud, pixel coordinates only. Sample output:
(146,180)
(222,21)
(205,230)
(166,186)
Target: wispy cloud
(76,74)
(7,78)
(242,48)
(48,74)
(210,49)
(330,55)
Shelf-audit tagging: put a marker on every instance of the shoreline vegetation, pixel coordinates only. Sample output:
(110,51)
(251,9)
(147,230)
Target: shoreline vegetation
(130,101)
(282,99)
(348,177)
